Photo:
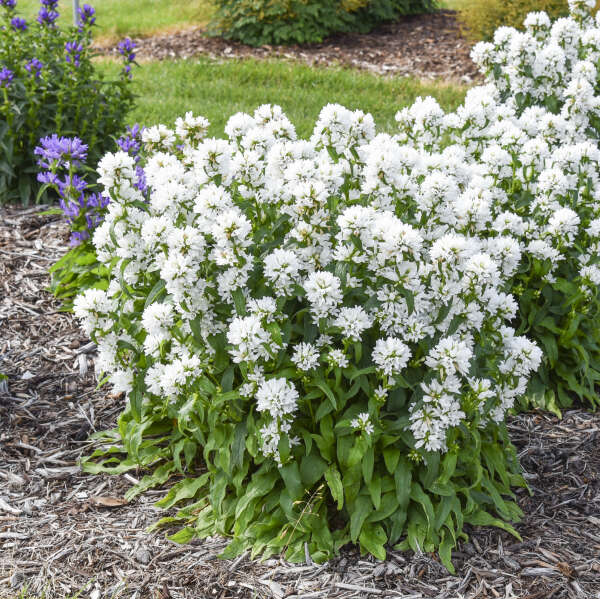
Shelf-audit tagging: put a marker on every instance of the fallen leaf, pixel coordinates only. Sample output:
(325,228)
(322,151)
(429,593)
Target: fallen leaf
(108,501)
(565,568)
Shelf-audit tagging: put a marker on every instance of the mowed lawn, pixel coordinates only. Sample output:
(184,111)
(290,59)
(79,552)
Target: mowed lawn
(218,89)
(117,18)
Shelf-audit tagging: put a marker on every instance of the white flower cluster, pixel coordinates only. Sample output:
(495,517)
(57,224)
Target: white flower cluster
(310,260)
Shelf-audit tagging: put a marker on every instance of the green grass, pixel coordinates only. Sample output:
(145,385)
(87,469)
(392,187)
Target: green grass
(117,18)
(217,90)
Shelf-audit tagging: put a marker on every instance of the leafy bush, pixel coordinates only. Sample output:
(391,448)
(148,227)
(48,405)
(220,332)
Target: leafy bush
(343,375)
(305,21)
(49,85)
(480,18)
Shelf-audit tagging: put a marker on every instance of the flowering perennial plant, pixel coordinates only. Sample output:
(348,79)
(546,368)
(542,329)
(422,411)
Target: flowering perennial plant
(303,319)
(532,135)
(49,85)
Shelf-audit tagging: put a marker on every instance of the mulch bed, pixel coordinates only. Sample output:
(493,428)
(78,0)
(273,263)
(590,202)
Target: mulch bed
(62,531)
(428,46)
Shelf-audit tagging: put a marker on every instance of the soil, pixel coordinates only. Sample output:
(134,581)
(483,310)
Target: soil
(63,532)
(426,46)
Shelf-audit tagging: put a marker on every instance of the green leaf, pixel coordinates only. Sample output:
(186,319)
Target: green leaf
(402,481)
(185,535)
(312,468)
(185,489)
(334,482)
(367,465)
(239,444)
(445,551)
(391,455)
(156,293)
(136,398)
(373,538)
(290,474)
(358,514)
(239,301)
(482,518)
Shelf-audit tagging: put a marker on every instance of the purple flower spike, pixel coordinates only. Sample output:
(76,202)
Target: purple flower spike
(69,187)
(10,4)
(125,48)
(18,24)
(47,177)
(6,76)
(34,66)
(58,151)
(78,237)
(74,51)
(47,17)
(86,16)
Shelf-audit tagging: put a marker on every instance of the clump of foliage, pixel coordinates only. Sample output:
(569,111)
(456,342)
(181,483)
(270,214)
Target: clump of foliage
(481,18)
(306,21)
(49,85)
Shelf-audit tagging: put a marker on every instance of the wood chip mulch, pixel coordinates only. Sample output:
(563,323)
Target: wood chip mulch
(62,532)
(427,46)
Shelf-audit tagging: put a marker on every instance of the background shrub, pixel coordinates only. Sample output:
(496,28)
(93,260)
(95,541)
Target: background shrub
(48,85)
(303,21)
(480,18)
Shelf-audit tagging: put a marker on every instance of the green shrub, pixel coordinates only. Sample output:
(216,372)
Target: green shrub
(49,85)
(480,18)
(257,22)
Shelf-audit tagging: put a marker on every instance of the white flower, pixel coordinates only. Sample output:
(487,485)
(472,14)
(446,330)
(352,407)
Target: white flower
(324,292)
(250,341)
(391,355)
(278,397)
(353,322)
(282,267)
(450,355)
(362,422)
(305,356)
(338,358)
(157,319)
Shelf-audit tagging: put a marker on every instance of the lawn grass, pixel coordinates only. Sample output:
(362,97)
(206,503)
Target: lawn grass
(218,89)
(118,18)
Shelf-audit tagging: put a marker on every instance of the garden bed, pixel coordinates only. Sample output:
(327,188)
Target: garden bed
(428,46)
(62,531)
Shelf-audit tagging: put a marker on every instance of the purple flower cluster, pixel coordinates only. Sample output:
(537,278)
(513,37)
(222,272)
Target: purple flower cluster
(18,24)
(56,152)
(86,16)
(90,207)
(10,4)
(34,66)
(131,143)
(126,49)
(48,14)
(6,76)
(73,50)
(82,208)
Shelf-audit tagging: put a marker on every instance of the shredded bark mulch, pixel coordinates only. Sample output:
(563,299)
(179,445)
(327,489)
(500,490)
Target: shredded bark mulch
(62,531)
(427,46)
